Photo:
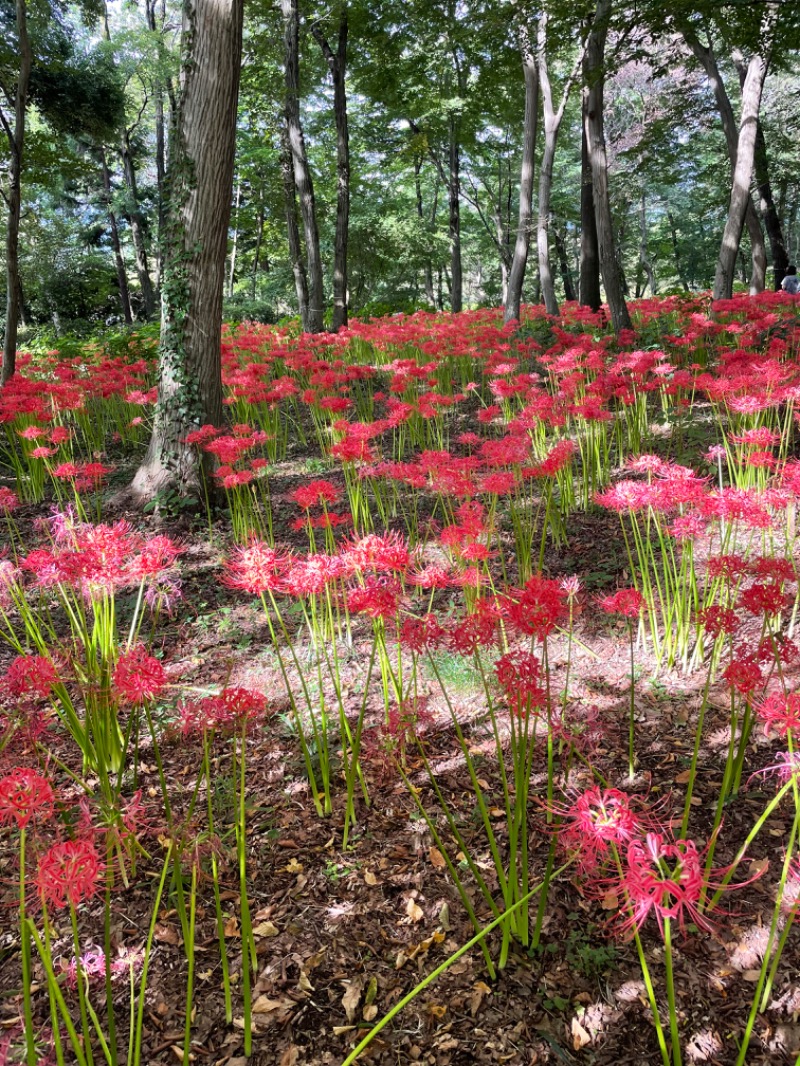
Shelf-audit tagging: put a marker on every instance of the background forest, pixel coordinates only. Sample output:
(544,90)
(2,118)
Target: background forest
(417,106)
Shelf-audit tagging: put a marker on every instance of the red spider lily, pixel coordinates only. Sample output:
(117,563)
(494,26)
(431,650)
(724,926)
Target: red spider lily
(312,574)
(537,608)
(519,675)
(30,674)
(315,494)
(780,713)
(764,598)
(627,602)
(138,676)
(156,556)
(232,708)
(384,551)
(69,873)
(716,620)
(664,877)
(421,634)
(729,567)
(743,674)
(256,568)
(9,501)
(599,819)
(475,630)
(379,597)
(25,795)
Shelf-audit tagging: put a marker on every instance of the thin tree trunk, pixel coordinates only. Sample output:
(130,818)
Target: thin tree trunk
(742,176)
(673,232)
(16,144)
(454,196)
(595,140)
(337,64)
(589,287)
(430,295)
(769,210)
(644,255)
(200,181)
(300,167)
(136,223)
(122,276)
(293,231)
(259,241)
(563,263)
(552,125)
(516,276)
(708,61)
(235,241)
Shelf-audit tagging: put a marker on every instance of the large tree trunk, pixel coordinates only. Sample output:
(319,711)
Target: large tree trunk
(200,180)
(596,144)
(769,210)
(136,223)
(116,244)
(293,230)
(235,242)
(337,64)
(16,144)
(516,275)
(708,61)
(300,167)
(742,175)
(589,281)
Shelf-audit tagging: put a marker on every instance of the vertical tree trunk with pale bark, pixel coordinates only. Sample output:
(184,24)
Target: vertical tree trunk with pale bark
(199,185)
(136,222)
(300,168)
(596,145)
(742,175)
(293,231)
(16,143)
(516,275)
(116,244)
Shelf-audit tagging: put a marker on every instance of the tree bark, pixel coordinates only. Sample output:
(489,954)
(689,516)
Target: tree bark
(769,210)
(259,241)
(235,241)
(119,259)
(589,282)
(293,230)
(300,168)
(596,144)
(516,275)
(742,175)
(673,232)
(644,255)
(454,225)
(199,183)
(552,125)
(708,61)
(337,64)
(16,144)
(563,263)
(430,295)
(136,223)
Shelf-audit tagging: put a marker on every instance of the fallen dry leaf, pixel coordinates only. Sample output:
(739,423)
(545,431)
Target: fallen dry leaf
(263,929)
(437,859)
(370,878)
(352,997)
(414,911)
(166,934)
(580,1038)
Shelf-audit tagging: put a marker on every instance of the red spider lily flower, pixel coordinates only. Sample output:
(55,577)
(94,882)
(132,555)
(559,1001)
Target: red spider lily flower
(256,568)
(379,597)
(9,501)
(627,602)
(421,634)
(30,674)
(315,494)
(780,713)
(665,878)
(476,630)
(716,620)
(765,597)
(157,555)
(232,708)
(599,819)
(743,674)
(539,606)
(519,675)
(729,567)
(138,677)
(378,551)
(24,795)
(777,648)
(69,873)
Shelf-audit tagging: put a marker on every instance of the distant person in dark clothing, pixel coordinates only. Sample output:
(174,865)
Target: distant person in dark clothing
(791,283)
